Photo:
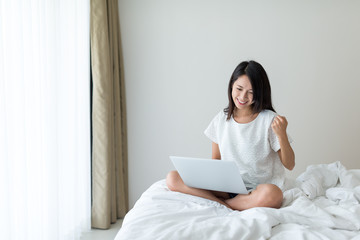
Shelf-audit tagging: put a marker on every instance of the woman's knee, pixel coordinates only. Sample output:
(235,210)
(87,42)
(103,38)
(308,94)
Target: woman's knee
(174,181)
(268,195)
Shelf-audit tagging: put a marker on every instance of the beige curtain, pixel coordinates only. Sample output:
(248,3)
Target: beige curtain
(109,147)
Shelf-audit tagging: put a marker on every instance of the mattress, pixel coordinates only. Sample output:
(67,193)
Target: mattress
(322,203)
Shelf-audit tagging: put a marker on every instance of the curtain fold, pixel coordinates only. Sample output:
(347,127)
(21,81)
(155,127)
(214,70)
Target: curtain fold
(109,136)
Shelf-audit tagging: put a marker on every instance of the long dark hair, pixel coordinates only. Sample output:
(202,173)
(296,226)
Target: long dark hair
(260,86)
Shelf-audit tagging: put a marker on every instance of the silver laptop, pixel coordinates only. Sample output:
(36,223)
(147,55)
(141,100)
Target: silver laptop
(210,174)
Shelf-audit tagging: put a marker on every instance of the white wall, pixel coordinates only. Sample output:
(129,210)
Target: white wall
(179,55)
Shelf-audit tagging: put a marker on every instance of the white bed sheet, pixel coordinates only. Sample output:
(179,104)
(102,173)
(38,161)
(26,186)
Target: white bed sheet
(322,203)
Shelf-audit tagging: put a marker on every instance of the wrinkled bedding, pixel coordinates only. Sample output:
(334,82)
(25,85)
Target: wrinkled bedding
(322,203)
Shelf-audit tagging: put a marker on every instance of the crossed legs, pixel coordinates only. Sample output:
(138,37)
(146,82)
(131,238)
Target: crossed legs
(265,195)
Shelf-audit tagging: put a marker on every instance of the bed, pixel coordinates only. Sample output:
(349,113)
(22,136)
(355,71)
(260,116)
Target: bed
(322,203)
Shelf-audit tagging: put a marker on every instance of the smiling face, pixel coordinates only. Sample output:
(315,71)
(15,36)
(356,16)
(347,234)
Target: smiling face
(242,93)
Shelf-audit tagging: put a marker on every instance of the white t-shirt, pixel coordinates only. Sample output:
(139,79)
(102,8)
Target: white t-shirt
(253,146)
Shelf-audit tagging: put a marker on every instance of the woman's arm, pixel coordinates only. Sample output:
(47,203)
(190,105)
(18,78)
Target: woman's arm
(215,152)
(286,153)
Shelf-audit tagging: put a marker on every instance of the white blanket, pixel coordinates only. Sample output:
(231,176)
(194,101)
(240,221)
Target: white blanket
(322,203)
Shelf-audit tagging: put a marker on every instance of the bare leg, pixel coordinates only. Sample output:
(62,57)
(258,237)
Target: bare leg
(265,195)
(175,183)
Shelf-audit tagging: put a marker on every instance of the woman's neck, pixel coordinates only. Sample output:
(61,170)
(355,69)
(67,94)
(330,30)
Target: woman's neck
(243,113)
(244,116)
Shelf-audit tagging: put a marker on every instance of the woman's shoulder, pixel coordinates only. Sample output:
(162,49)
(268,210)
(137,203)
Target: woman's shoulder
(268,115)
(218,120)
(221,115)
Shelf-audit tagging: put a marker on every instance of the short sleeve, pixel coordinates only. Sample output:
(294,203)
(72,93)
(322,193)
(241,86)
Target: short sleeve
(211,131)
(274,141)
